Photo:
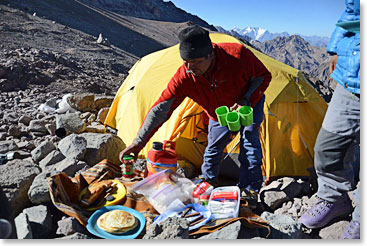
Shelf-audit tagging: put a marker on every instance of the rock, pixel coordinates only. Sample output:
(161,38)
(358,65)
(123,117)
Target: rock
(3,136)
(38,193)
(42,151)
(40,220)
(102,146)
(282,226)
(14,131)
(76,235)
(95,129)
(73,147)
(7,146)
(25,119)
(70,167)
(52,158)
(71,122)
(37,126)
(171,228)
(102,114)
(23,226)
(11,117)
(99,39)
(91,118)
(82,102)
(15,179)
(70,225)
(229,232)
(102,101)
(19,154)
(334,231)
(51,128)
(274,199)
(291,187)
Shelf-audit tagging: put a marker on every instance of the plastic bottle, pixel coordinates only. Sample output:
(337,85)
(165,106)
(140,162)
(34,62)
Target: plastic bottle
(161,157)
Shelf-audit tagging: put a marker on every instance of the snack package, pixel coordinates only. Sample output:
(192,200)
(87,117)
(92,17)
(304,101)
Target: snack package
(162,188)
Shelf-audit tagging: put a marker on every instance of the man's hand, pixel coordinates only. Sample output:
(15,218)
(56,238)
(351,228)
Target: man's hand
(235,107)
(131,149)
(332,63)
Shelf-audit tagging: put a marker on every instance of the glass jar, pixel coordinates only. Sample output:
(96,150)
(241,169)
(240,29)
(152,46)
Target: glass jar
(127,166)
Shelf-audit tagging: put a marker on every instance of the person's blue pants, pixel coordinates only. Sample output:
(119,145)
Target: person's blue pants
(250,155)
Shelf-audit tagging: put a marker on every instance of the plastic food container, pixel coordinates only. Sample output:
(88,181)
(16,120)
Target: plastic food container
(224,206)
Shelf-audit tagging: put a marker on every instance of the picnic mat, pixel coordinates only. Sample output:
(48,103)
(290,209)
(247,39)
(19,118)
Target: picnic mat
(64,191)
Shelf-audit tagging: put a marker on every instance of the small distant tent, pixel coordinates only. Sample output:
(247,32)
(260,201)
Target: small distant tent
(293,113)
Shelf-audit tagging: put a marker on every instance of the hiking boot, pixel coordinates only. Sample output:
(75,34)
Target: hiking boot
(323,212)
(251,197)
(352,231)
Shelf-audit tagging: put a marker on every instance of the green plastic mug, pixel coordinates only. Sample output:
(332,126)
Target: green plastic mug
(246,115)
(233,121)
(222,112)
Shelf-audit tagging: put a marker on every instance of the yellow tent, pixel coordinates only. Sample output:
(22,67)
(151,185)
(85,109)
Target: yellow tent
(293,113)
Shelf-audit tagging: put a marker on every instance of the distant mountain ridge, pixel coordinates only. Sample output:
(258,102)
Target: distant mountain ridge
(261,35)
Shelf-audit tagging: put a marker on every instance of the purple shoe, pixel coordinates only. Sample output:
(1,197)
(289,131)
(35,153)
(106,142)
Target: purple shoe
(352,231)
(323,212)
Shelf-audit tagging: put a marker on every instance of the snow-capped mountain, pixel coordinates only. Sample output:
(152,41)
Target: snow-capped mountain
(261,35)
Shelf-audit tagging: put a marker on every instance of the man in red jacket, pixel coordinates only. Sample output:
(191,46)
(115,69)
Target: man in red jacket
(213,75)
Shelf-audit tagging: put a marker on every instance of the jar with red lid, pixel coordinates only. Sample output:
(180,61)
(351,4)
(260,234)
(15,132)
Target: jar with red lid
(127,166)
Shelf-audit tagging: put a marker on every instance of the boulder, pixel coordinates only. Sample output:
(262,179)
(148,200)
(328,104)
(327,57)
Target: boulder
(82,102)
(231,231)
(14,131)
(23,226)
(73,147)
(275,199)
(102,146)
(40,220)
(334,231)
(70,167)
(171,228)
(7,146)
(38,126)
(38,193)
(71,122)
(16,177)
(70,225)
(95,129)
(42,151)
(52,158)
(282,226)
(102,101)
(25,119)
(102,114)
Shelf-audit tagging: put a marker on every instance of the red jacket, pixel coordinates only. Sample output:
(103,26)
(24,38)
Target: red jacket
(235,71)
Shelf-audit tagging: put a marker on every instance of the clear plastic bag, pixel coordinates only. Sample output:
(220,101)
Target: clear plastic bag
(162,188)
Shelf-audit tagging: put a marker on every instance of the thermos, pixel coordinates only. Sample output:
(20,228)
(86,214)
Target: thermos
(161,157)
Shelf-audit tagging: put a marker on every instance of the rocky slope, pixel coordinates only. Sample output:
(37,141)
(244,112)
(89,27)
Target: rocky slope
(45,55)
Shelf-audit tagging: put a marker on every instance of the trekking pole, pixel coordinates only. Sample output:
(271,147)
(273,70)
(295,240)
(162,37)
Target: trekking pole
(232,150)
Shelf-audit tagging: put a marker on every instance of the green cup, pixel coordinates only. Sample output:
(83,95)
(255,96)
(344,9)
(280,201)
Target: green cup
(222,112)
(233,121)
(246,115)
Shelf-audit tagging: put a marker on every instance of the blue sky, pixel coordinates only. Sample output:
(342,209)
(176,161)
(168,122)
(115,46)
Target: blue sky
(306,17)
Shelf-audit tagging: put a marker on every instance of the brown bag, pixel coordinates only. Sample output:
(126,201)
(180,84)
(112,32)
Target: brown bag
(65,192)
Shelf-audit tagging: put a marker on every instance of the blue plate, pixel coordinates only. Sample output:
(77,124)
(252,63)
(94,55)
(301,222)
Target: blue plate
(93,228)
